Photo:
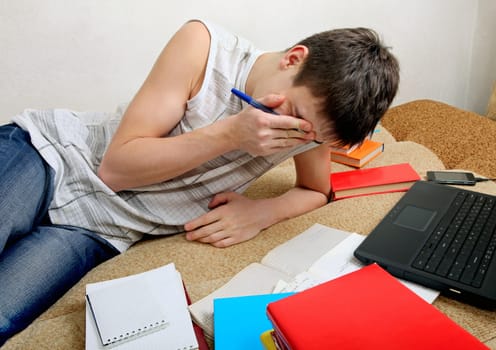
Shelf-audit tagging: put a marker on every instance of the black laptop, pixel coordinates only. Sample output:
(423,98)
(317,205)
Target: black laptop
(442,237)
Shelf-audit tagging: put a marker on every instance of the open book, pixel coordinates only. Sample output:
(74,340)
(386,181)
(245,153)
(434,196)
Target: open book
(318,254)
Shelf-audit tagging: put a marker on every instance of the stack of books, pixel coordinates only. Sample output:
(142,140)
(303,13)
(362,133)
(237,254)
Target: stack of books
(359,155)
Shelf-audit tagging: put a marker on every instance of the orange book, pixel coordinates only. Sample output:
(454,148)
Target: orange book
(347,149)
(365,309)
(361,155)
(383,179)
(343,149)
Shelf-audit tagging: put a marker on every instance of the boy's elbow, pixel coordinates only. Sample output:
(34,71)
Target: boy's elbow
(108,178)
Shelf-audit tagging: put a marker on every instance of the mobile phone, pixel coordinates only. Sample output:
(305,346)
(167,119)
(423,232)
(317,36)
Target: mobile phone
(451,177)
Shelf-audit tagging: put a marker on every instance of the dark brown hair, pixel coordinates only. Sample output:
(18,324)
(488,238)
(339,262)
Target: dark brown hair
(355,76)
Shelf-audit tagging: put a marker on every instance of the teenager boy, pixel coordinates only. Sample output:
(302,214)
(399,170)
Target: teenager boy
(78,188)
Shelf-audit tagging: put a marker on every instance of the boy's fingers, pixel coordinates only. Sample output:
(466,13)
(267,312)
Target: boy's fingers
(297,134)
(290,123)
(272,100)
(284,121)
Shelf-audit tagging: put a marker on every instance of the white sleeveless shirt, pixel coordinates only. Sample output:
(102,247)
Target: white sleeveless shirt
(73,144)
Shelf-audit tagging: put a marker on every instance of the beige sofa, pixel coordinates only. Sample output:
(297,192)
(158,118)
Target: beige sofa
(427,134)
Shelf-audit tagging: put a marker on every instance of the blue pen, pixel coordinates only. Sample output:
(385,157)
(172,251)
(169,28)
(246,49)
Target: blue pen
(252,102)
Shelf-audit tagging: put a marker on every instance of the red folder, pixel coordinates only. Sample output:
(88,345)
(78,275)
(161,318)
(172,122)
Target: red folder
(366,309)
(383,179)
(200,336)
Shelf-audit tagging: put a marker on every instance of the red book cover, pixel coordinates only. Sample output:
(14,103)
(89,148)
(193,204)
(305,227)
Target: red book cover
(383,179)
(200,336)
(365,309)
(361,155)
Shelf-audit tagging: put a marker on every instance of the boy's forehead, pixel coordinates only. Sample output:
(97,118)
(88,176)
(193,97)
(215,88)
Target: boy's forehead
(305,101)
(310,109)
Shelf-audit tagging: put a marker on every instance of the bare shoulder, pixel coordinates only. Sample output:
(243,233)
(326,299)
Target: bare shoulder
(196,27)
(176,76)
(187,52)
(193,32)
(192,37)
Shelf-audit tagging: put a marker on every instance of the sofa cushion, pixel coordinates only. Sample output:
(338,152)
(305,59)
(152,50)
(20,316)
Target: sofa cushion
(453,134)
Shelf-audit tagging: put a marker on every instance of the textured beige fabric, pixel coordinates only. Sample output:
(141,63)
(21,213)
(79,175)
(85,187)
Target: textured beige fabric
(461,139)
(205,268)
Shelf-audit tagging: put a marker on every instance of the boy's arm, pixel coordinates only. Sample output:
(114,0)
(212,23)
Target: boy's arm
(140,155)
(312,188)
(235,218)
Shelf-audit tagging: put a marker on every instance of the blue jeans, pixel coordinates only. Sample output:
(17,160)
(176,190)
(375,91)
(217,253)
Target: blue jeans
(39,261)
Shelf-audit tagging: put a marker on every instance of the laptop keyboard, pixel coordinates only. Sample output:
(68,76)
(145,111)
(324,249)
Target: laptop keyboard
(464,242)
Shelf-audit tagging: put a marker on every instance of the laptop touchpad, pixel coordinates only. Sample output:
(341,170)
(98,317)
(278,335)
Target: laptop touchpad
(415,218)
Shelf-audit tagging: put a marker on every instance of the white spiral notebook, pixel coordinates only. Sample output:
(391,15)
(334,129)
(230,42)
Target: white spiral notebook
(143,311)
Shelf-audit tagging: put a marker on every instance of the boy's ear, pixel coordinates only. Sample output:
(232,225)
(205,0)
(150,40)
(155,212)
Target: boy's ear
(294,57)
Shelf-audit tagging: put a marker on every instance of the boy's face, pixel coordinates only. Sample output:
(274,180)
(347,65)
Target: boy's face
(301,103)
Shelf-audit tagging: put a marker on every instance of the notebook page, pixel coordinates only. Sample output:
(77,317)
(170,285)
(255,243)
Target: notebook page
(178,333)
(338,262)
(300,252)
(128,308)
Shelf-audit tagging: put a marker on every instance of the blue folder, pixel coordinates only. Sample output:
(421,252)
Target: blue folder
(239,321)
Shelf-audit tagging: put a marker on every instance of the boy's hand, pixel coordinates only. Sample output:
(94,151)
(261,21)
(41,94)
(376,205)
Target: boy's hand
(233,219)
(262,134)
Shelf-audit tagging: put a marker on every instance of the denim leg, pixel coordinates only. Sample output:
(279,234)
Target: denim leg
(25,185)
(39,268)
(39,262)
